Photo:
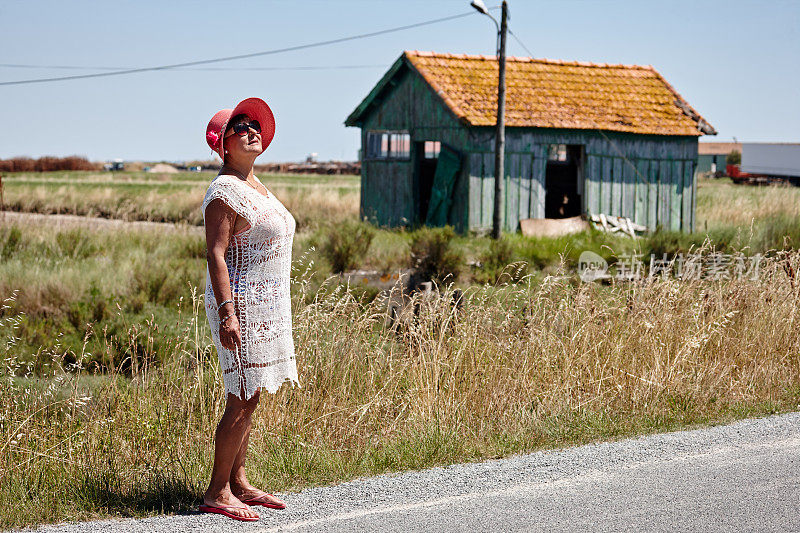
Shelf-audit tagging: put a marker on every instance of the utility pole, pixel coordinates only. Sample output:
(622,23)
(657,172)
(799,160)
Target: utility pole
(500,135)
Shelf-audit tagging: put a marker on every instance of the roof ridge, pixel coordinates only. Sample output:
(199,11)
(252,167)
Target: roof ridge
(681,102)
(548,93)
(543,60)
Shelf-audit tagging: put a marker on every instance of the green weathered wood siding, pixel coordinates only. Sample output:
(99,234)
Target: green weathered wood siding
(388,197)
(648,178)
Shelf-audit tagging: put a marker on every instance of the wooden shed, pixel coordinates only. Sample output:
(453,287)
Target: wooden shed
(581,138)
(713,157)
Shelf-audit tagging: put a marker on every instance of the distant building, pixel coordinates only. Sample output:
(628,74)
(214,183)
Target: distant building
(772,159)
(117,164)
(713,157)
(581,138)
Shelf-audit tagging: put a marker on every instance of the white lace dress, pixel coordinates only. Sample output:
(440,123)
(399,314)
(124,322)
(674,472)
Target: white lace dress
(259,263)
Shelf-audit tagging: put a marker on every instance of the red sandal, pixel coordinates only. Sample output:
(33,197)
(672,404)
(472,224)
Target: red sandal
(259,501)
(225,511)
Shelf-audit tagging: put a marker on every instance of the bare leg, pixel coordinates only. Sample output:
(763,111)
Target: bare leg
(229,437)
(240,486)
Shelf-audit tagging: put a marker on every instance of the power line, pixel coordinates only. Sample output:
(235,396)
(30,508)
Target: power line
(90,67)
(241,56)
(514,35)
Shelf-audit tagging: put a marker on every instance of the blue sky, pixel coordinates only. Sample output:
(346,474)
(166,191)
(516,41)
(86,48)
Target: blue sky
(736,62)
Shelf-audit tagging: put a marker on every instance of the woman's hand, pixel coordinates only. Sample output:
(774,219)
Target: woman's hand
(230,336)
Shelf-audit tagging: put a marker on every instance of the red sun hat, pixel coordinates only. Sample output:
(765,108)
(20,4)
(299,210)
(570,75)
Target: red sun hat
(255,108)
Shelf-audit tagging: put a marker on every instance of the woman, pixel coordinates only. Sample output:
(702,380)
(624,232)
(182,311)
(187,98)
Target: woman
(249,239)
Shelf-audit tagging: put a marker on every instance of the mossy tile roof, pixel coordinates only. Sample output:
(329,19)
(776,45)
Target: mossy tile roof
(557,94)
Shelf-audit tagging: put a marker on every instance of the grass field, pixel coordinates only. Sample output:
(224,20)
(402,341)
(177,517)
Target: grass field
(168,197)
(110,389)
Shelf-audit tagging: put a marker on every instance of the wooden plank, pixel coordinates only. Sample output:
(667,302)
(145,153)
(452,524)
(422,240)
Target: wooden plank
(487,194)
(664,190)
(616,188)
(526,142)
(539,164)
(592,191)
(459,210)
(403,175)
(628,189)
(540,167)
(512,193)
(524,187)
(676,192)
(475,189)
(687,215)
(653,169)
(642,188)
(692,227)
(393,205)
(607,185)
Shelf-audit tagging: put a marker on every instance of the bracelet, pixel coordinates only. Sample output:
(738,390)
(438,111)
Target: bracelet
(221,322)
(223,303)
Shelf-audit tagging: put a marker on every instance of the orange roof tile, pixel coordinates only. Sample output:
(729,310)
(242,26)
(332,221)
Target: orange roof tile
(559,94)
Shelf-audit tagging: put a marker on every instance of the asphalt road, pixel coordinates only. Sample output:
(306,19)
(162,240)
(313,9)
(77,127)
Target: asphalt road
(740,477)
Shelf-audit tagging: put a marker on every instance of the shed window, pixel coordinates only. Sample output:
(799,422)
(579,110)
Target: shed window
(557,152)
(388,145)
(432,149)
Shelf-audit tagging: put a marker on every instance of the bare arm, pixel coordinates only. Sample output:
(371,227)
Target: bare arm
(220,221)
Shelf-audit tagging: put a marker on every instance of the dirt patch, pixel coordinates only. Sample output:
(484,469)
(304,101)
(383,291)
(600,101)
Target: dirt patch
(71,221)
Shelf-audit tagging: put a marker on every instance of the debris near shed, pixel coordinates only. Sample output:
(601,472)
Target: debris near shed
(612,224)
(552,227)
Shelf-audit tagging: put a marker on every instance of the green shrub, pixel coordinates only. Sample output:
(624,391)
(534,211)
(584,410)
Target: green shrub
(345,245)
(75,244)
(94,308)
(497,264)
(548,252)
(192,247)
(499,255)
(433,255)
(10,240)
(162,284)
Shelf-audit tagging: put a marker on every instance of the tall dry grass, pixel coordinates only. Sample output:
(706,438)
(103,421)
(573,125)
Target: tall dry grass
(515,368)
(120,421)
(141,196)
(722,204)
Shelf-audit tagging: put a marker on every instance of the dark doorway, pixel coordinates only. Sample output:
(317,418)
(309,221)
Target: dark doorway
(562,188)
(427,156)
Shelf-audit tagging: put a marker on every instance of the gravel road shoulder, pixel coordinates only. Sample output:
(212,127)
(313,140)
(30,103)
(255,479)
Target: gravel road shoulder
(742,476)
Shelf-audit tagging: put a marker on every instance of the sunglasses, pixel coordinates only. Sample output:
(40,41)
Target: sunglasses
(241,128)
